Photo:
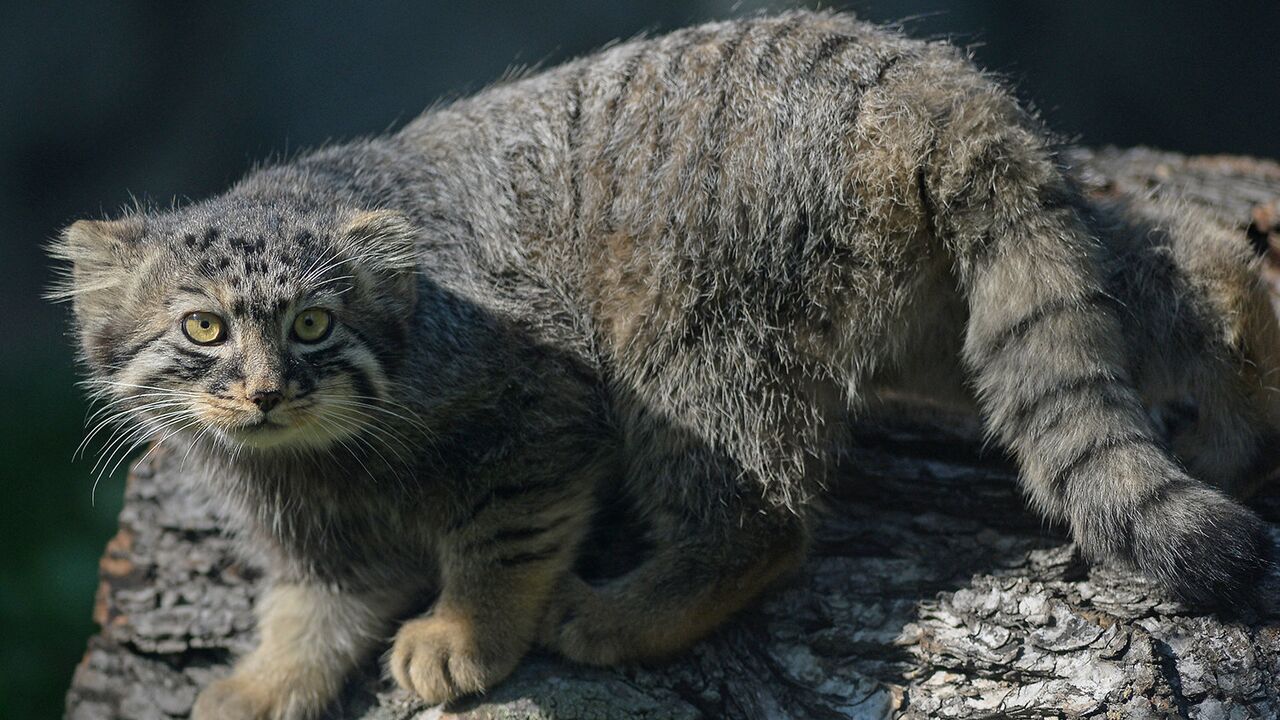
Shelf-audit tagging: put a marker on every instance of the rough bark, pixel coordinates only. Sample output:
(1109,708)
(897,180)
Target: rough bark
(932,591)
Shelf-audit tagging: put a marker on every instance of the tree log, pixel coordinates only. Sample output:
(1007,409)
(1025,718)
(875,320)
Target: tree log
(932,591)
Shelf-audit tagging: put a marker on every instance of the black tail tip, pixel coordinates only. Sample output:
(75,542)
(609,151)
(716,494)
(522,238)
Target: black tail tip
(1211,552)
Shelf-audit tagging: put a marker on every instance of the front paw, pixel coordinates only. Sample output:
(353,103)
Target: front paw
(440,658)
(258,692)
(233,698)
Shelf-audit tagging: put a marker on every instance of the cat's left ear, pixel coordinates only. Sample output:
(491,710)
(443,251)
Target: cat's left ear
(384,240)
(100,253)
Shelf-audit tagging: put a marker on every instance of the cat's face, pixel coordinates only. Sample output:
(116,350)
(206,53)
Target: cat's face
(254,325)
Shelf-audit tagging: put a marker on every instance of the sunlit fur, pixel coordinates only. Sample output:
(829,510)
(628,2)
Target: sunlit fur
(666,274)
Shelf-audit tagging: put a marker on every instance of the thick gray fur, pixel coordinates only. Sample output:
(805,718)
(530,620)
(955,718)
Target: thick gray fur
(665,274)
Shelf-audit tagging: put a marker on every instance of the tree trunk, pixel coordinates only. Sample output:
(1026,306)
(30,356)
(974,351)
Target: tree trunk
(932,591)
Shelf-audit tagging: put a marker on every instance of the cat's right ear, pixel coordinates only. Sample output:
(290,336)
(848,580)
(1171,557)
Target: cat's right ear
(99,254)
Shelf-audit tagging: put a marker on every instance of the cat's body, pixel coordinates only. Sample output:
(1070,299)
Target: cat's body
(668,270)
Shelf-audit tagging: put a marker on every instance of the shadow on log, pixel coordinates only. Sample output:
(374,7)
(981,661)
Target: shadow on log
(932,591)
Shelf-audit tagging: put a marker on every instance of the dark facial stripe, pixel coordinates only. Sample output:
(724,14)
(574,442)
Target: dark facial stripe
(299,371)
(120,357)
(360,380)
(223,377)
(190,364)
(384,351)
(188,352)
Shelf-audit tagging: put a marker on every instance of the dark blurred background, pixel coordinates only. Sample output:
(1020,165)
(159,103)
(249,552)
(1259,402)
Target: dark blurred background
(109,100)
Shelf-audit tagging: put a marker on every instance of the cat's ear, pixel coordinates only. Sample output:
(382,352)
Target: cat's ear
(384,240)
(99,253)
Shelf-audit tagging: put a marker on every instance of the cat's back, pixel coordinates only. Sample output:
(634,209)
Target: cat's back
(776,154)
(612,139)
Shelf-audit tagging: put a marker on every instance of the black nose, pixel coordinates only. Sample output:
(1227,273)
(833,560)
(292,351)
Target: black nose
(266,400)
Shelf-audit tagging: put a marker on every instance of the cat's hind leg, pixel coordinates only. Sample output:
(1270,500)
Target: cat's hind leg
(724,451)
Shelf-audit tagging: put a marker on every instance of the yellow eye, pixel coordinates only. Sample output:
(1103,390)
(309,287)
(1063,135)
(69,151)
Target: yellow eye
(204,328)
(312,325)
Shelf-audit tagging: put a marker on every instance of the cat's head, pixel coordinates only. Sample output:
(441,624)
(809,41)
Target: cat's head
(255,323)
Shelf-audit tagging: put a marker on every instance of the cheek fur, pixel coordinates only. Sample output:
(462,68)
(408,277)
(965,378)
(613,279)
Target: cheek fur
(354,364)
(224,376)
(301,374)
(190,365)
(160,365)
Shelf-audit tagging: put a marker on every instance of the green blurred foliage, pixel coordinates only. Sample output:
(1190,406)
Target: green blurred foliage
(50,534)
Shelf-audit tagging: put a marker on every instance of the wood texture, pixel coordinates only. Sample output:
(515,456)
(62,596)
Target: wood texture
(932,592)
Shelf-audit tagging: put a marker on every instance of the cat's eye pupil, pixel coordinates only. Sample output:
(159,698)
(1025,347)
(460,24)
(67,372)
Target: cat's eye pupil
(312,325)
(204,328)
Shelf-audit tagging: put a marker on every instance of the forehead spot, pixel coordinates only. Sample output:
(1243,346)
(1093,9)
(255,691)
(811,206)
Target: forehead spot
(250,246)
(265,312)
(214,266)
(200,242)
(262,306)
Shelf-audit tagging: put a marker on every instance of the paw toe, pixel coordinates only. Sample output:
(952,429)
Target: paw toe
(437,664)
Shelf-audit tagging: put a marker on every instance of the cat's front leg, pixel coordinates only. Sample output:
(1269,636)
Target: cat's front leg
(498,579)
(312,636)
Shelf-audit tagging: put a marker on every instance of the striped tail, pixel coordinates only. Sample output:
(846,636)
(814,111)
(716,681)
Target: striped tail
(1048,360)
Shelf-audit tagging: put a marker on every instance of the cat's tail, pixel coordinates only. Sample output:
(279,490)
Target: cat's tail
(1048,359)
